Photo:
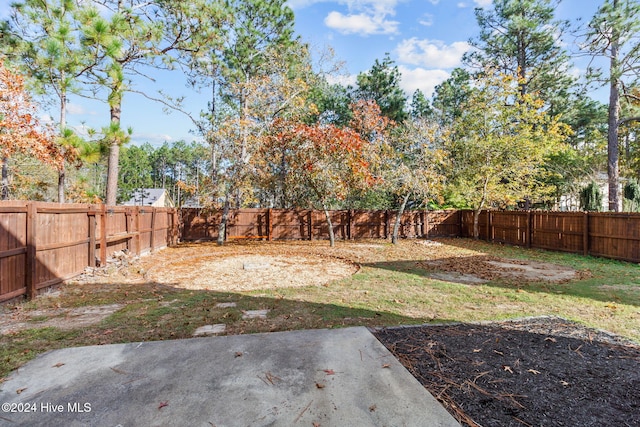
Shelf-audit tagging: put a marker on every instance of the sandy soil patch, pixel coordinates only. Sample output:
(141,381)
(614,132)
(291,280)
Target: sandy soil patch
(250,272)
(482,269)
(535,271)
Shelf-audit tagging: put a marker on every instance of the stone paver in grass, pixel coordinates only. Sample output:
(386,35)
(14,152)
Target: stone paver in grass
(226,305)
(254,314)
(210,330)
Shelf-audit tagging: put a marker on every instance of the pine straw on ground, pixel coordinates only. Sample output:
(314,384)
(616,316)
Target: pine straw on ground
(543,371)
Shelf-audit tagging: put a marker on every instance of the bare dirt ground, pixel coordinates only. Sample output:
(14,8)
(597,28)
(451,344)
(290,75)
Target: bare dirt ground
(248,266)
(293,265)
(253,271)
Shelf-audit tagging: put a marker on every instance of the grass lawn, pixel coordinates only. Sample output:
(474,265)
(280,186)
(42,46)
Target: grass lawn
(394,286)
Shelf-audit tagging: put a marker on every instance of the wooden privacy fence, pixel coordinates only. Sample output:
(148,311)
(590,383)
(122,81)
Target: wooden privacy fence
(607,235)
(287,224)
(42,244)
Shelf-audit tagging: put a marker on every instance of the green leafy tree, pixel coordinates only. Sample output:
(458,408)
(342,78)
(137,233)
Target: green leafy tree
(499,143)
(585,154)
(331,104)
(420,107)
(134,171)
(632,195)
(382,85)
(614,34)
(450,96)
(414,166)
(591,198)
(253,33)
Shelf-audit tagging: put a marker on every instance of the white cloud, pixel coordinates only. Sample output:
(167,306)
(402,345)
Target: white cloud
(152,138)
(343,79)
(420,78)
(77,109)
(363,17)
(46,119)
(431,53)
(301,4)
(360,23)
(426,20)
(477,3)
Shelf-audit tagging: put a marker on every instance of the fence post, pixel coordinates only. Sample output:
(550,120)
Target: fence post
(269,224)
(489,226)
(136,224)
(349,219)
(152,242)
(310,217)
(103,236)
(31,258)
(91,216)
(585,234)
(386,224)
(529,230)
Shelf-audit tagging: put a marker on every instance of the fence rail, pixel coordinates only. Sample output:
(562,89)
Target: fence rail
(43,244)
(287,224)
(607,235)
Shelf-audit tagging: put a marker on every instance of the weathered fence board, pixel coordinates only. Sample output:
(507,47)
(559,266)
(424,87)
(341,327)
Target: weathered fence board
(42,244)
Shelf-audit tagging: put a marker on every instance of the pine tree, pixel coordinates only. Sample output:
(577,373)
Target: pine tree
(522,39)
(614,34)
(382,84)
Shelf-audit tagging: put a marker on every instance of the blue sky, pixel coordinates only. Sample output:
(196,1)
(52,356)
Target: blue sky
(426,39)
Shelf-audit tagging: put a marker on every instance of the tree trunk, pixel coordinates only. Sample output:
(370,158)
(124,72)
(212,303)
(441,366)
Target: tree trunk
(63,124)
(396,224)
(476,223)
(614,115)
(332,237)
(4,190)
(62,172)
(222,230)
(115,102)
(112,173)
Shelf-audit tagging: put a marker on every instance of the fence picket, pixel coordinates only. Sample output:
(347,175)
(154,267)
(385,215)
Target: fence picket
(47,243)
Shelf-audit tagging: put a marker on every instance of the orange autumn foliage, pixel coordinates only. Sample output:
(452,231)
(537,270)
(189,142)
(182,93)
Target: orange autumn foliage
(327,158)
(20,130)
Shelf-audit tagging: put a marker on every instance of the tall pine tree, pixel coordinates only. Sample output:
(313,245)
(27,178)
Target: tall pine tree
(614,34)
(522,39)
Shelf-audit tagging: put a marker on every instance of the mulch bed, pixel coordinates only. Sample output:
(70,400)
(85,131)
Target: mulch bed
(533,372)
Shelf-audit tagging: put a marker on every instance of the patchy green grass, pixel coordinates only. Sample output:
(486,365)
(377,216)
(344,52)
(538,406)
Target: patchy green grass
(392,287)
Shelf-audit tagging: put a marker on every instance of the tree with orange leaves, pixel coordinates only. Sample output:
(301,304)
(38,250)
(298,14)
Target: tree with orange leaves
(20,130)
(325,161)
